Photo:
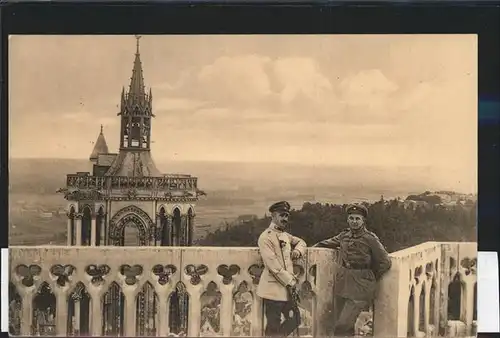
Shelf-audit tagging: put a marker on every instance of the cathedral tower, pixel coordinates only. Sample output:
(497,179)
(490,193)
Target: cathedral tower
(126,200)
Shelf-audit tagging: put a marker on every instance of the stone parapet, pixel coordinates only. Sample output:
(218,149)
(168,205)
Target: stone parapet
(217,285)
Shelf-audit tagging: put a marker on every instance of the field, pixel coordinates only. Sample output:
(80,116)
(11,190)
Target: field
(233,189)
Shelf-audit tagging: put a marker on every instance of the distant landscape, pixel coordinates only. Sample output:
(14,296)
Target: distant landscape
(37,216)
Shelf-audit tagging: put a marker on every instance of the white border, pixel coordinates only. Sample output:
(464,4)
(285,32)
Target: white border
(5,290)
(487,292)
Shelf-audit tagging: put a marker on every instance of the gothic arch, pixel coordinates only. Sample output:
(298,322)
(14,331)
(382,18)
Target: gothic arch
(160,206)
(132,214)
(192,208)
(99,206)
(175,206)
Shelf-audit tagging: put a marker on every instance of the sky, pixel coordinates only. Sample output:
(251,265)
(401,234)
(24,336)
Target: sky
(381,100)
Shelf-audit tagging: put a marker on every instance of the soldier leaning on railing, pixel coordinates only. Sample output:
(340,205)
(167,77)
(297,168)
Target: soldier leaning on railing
(277,284)
(363,261)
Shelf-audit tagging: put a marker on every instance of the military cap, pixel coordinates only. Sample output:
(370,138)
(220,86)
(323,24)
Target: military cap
(357,209)
(282,206)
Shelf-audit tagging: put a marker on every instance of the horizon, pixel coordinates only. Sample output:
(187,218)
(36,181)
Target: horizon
(306,166)
(320,101)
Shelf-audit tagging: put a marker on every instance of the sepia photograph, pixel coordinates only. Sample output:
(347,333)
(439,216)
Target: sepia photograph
(243,185)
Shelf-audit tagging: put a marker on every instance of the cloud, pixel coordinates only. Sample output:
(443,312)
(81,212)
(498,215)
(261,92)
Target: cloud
(177,104)
(301,75)
(241,79)
(368,88)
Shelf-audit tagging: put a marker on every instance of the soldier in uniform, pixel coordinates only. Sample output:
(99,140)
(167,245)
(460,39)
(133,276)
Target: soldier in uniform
(363,261)
(277,283)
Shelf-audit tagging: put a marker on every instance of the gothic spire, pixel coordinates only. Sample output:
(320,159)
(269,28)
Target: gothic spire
(100,147)
(136,90)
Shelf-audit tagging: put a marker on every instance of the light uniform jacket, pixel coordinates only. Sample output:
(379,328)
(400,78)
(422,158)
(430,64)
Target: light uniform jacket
(363,261)
(278,273)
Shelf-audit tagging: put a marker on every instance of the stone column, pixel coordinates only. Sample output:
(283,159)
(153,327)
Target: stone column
(183,238)
(61,313)
(78,228)
(162,314)
(194,312)
(171,231)
(130,311)
(226,310)
(78,307)
(69,230)
(159,230)
(26,313)
(189,229)
(103,229)
(469,301)
(93,230)
(96,316)
(416,310)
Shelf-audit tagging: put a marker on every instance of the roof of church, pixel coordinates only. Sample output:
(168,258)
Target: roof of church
(134,164)
(101,147)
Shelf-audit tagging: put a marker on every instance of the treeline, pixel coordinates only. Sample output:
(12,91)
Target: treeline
(396,226)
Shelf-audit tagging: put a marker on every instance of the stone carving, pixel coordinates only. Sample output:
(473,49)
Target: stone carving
(97,272)
(195,272)
(132,193)
(130,273)
(63,273)
(210,311)
(28,273)
(164,272)
(227,272)
(127,215)
(75,194)
(469,265)
(79,292)
(243,301)
(255,271)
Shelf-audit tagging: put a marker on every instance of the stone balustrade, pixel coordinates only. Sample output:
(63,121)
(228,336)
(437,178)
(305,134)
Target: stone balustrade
(429,291)
(163,184)
(216,285)
(206,291)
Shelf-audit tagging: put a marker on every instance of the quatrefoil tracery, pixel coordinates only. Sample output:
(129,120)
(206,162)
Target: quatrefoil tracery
(28,273)
(255,271)
(97,272)
(195,272)
(131,273)
(63,273)
(227,272)
(469,265)
(164,272)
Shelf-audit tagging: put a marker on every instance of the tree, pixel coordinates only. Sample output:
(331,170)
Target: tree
(396,226)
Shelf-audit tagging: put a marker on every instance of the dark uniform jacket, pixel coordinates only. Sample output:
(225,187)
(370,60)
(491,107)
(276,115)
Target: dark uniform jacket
(363,260)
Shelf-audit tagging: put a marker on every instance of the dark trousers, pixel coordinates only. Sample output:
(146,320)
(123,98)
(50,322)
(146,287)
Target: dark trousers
(273,310)
(347,311)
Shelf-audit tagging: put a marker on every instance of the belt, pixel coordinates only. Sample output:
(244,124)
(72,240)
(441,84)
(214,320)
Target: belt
(356,266)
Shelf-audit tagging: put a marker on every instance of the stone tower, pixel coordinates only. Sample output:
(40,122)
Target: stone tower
(126,200)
